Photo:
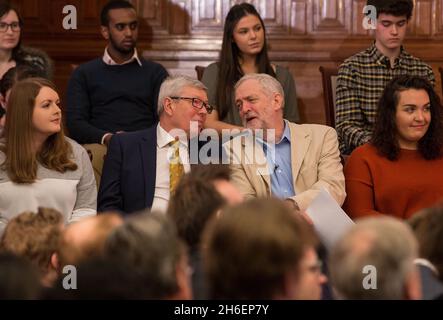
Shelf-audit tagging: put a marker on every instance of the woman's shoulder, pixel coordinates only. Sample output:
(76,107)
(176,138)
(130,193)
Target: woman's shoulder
(283,74)
(77,149)
(281,71)
(212,68)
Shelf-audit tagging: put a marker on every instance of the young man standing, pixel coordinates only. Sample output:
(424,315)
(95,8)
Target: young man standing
(362,77)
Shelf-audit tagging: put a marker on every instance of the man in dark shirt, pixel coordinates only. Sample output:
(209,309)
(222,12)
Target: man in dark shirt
(119,91)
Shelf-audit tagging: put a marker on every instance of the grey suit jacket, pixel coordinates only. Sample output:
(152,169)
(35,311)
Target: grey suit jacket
(315,164)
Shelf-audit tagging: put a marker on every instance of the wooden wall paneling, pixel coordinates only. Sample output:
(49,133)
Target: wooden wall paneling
(329,16)
(302,34)
(437,18)
(357,17)
(298,17)
(207,17)
(421,22)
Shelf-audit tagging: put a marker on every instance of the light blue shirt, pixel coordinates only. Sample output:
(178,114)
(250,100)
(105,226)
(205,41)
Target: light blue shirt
(279,161)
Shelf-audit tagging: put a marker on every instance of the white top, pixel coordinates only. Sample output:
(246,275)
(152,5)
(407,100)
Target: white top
(164,153)
(73,193)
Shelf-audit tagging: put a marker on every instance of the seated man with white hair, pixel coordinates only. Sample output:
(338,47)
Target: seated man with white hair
(288,161)
(374,260)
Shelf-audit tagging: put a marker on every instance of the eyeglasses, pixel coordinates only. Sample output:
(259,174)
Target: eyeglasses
(197,103)
(15,26)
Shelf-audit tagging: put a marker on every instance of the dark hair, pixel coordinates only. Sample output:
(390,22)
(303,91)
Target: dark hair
(15,74)
(229,66)
(427,225)
(212,173)
(248,249)
(385,131)
(5,7)
(393,7)
(148,242)
(111,5)
(194,202)
(19,279)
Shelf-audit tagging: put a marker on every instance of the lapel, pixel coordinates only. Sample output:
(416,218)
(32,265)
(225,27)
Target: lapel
(300,140)
(255,159)
(148,151)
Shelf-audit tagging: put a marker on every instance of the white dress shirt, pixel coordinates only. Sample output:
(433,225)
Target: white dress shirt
(164,153)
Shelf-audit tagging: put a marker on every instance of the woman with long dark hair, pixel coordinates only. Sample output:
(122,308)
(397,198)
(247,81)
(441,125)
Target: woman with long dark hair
(244,50)
(39,166)
(401,170)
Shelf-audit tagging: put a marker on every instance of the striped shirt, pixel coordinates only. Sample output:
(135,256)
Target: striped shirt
(361,81)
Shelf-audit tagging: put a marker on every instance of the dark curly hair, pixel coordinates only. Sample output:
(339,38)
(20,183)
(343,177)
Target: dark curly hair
(384,137)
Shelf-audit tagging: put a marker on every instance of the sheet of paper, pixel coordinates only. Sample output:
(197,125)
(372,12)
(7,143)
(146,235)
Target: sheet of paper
(330,221)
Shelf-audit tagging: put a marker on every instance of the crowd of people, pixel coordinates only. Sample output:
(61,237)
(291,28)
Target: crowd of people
(166,187)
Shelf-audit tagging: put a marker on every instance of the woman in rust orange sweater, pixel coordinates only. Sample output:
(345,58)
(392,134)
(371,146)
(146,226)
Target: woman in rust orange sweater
(401,170)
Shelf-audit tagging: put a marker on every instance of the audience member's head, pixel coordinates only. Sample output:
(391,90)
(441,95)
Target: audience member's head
(97,279)
(113,5)
(119,26)
(267,110)
(261,250)
(406,101)
(181,100)
(397,8)
(14,75)
(193,203)
(428,228)
(149,244)
(220,176)
(34,133)
(86,238)
(36,237)
(10,41)
(374,260)
(241,21)
(19,279)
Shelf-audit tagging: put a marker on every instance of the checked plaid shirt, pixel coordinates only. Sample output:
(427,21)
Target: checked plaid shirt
(361,81)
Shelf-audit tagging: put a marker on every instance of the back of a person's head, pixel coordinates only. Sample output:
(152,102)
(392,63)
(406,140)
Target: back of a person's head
(428,229)
(34,236)
(194,202)
(374,261)
(148,242)
(97,278)
(19,279)
(18,73)
(211,173)
(250,248)
(393,7)
(86,239)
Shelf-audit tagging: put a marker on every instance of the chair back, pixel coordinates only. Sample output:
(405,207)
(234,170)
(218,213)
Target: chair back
(329,81)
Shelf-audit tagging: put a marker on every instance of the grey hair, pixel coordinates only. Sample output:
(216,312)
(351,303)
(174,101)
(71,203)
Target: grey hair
(268,84)
(385,243)
(173,86)
(148,241)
